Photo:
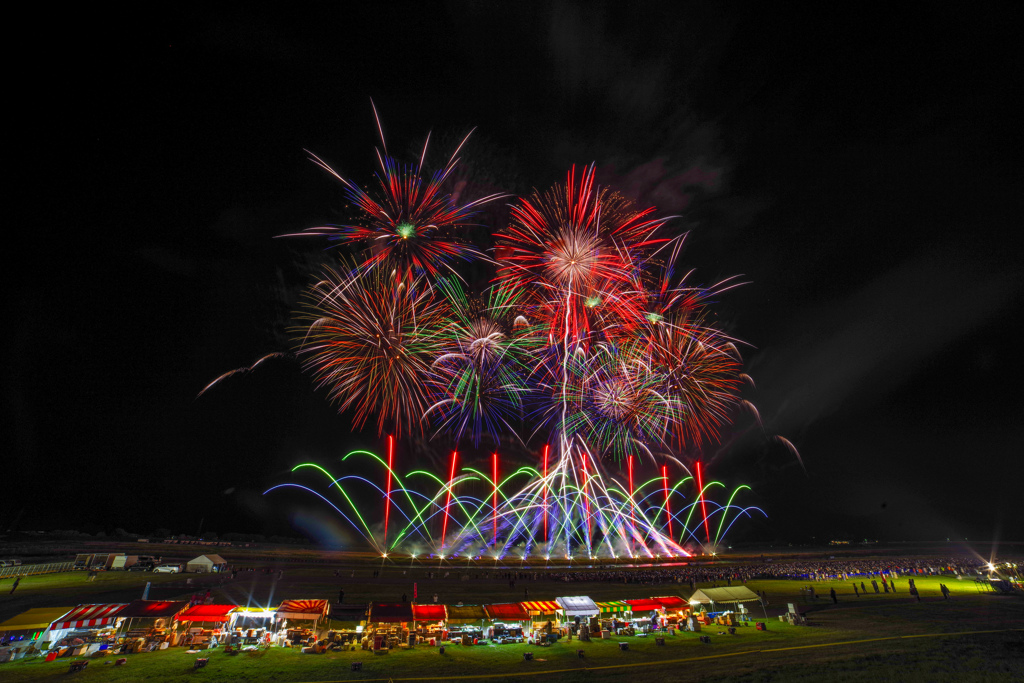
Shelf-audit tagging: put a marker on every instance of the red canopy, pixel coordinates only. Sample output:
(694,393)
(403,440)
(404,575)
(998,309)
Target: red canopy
(672,602)
(89,616)
(206,613)
(152,608)
(429,612)
(513,611)
(645,605)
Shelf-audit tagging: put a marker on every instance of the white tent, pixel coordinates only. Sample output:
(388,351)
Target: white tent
(578,606)
(734,594)
(207,563)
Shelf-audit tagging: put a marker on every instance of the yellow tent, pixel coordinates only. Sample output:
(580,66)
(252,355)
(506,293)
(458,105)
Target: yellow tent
(35,619)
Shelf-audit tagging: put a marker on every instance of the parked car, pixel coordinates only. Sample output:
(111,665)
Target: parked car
(168,569)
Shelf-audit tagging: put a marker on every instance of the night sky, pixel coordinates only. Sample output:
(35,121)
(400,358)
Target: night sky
(860,170)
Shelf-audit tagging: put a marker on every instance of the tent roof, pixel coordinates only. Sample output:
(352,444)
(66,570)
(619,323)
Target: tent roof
(429,612)
(465,613)
(206,613)
(152,608)
(613,607)
(644,604)
(541,606)
(302,609)
(35,618)
(729,594)
(513,611)
(213,559)
(578,606)
(672,602)
(89,616)
(390,612)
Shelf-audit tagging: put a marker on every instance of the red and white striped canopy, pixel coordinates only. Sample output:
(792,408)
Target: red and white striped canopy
(89,616)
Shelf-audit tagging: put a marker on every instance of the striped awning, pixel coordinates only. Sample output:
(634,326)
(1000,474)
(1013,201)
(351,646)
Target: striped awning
(89,616)
(541,606)
(302,609)
(613,607)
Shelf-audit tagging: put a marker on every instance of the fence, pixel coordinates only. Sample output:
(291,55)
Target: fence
(30,569)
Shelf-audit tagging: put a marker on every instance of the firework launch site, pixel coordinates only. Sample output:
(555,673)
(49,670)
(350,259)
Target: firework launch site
(294,614)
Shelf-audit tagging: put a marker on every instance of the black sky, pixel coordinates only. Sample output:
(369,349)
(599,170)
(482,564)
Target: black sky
(861,169)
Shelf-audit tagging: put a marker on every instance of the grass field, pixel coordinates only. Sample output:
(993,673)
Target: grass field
(884,637)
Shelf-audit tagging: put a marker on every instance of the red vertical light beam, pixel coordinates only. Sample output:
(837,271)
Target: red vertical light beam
(495,459)
(668,510)
(448,502)
(387,498)
(703,509)
(546,447)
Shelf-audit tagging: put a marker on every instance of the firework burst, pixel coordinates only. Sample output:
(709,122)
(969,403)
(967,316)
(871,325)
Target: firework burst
(370,338)
(410,223)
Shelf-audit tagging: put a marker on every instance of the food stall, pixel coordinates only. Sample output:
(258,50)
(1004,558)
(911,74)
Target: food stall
(643,612)
(146,625)
(465,623)
(430,622)
(576,611)
(205,625)
(312,612)
(387,625)
(28,631)
(615,615)
(731,596)
(87,628)
(251,625)
(674,609)
(507,622)
(543,615)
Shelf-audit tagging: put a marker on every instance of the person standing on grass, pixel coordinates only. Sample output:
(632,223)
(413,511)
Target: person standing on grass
(945,591)
(875,585)
(835,600)
(15,586)
(855,590)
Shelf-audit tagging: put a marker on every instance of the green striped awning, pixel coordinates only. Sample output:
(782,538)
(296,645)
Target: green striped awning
(614,607)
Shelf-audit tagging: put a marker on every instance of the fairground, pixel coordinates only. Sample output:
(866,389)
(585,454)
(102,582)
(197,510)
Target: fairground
(794,630)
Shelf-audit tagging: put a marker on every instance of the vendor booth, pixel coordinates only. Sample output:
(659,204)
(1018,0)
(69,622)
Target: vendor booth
(466,623)
(543,615)
(732,597)
(205,625)
(28,632)
(509,622)
(615,616)
(146,625)
(301,619)
(251,625)
(387,625)
(87,628)
(430,622)
(207,564)
(577,611)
